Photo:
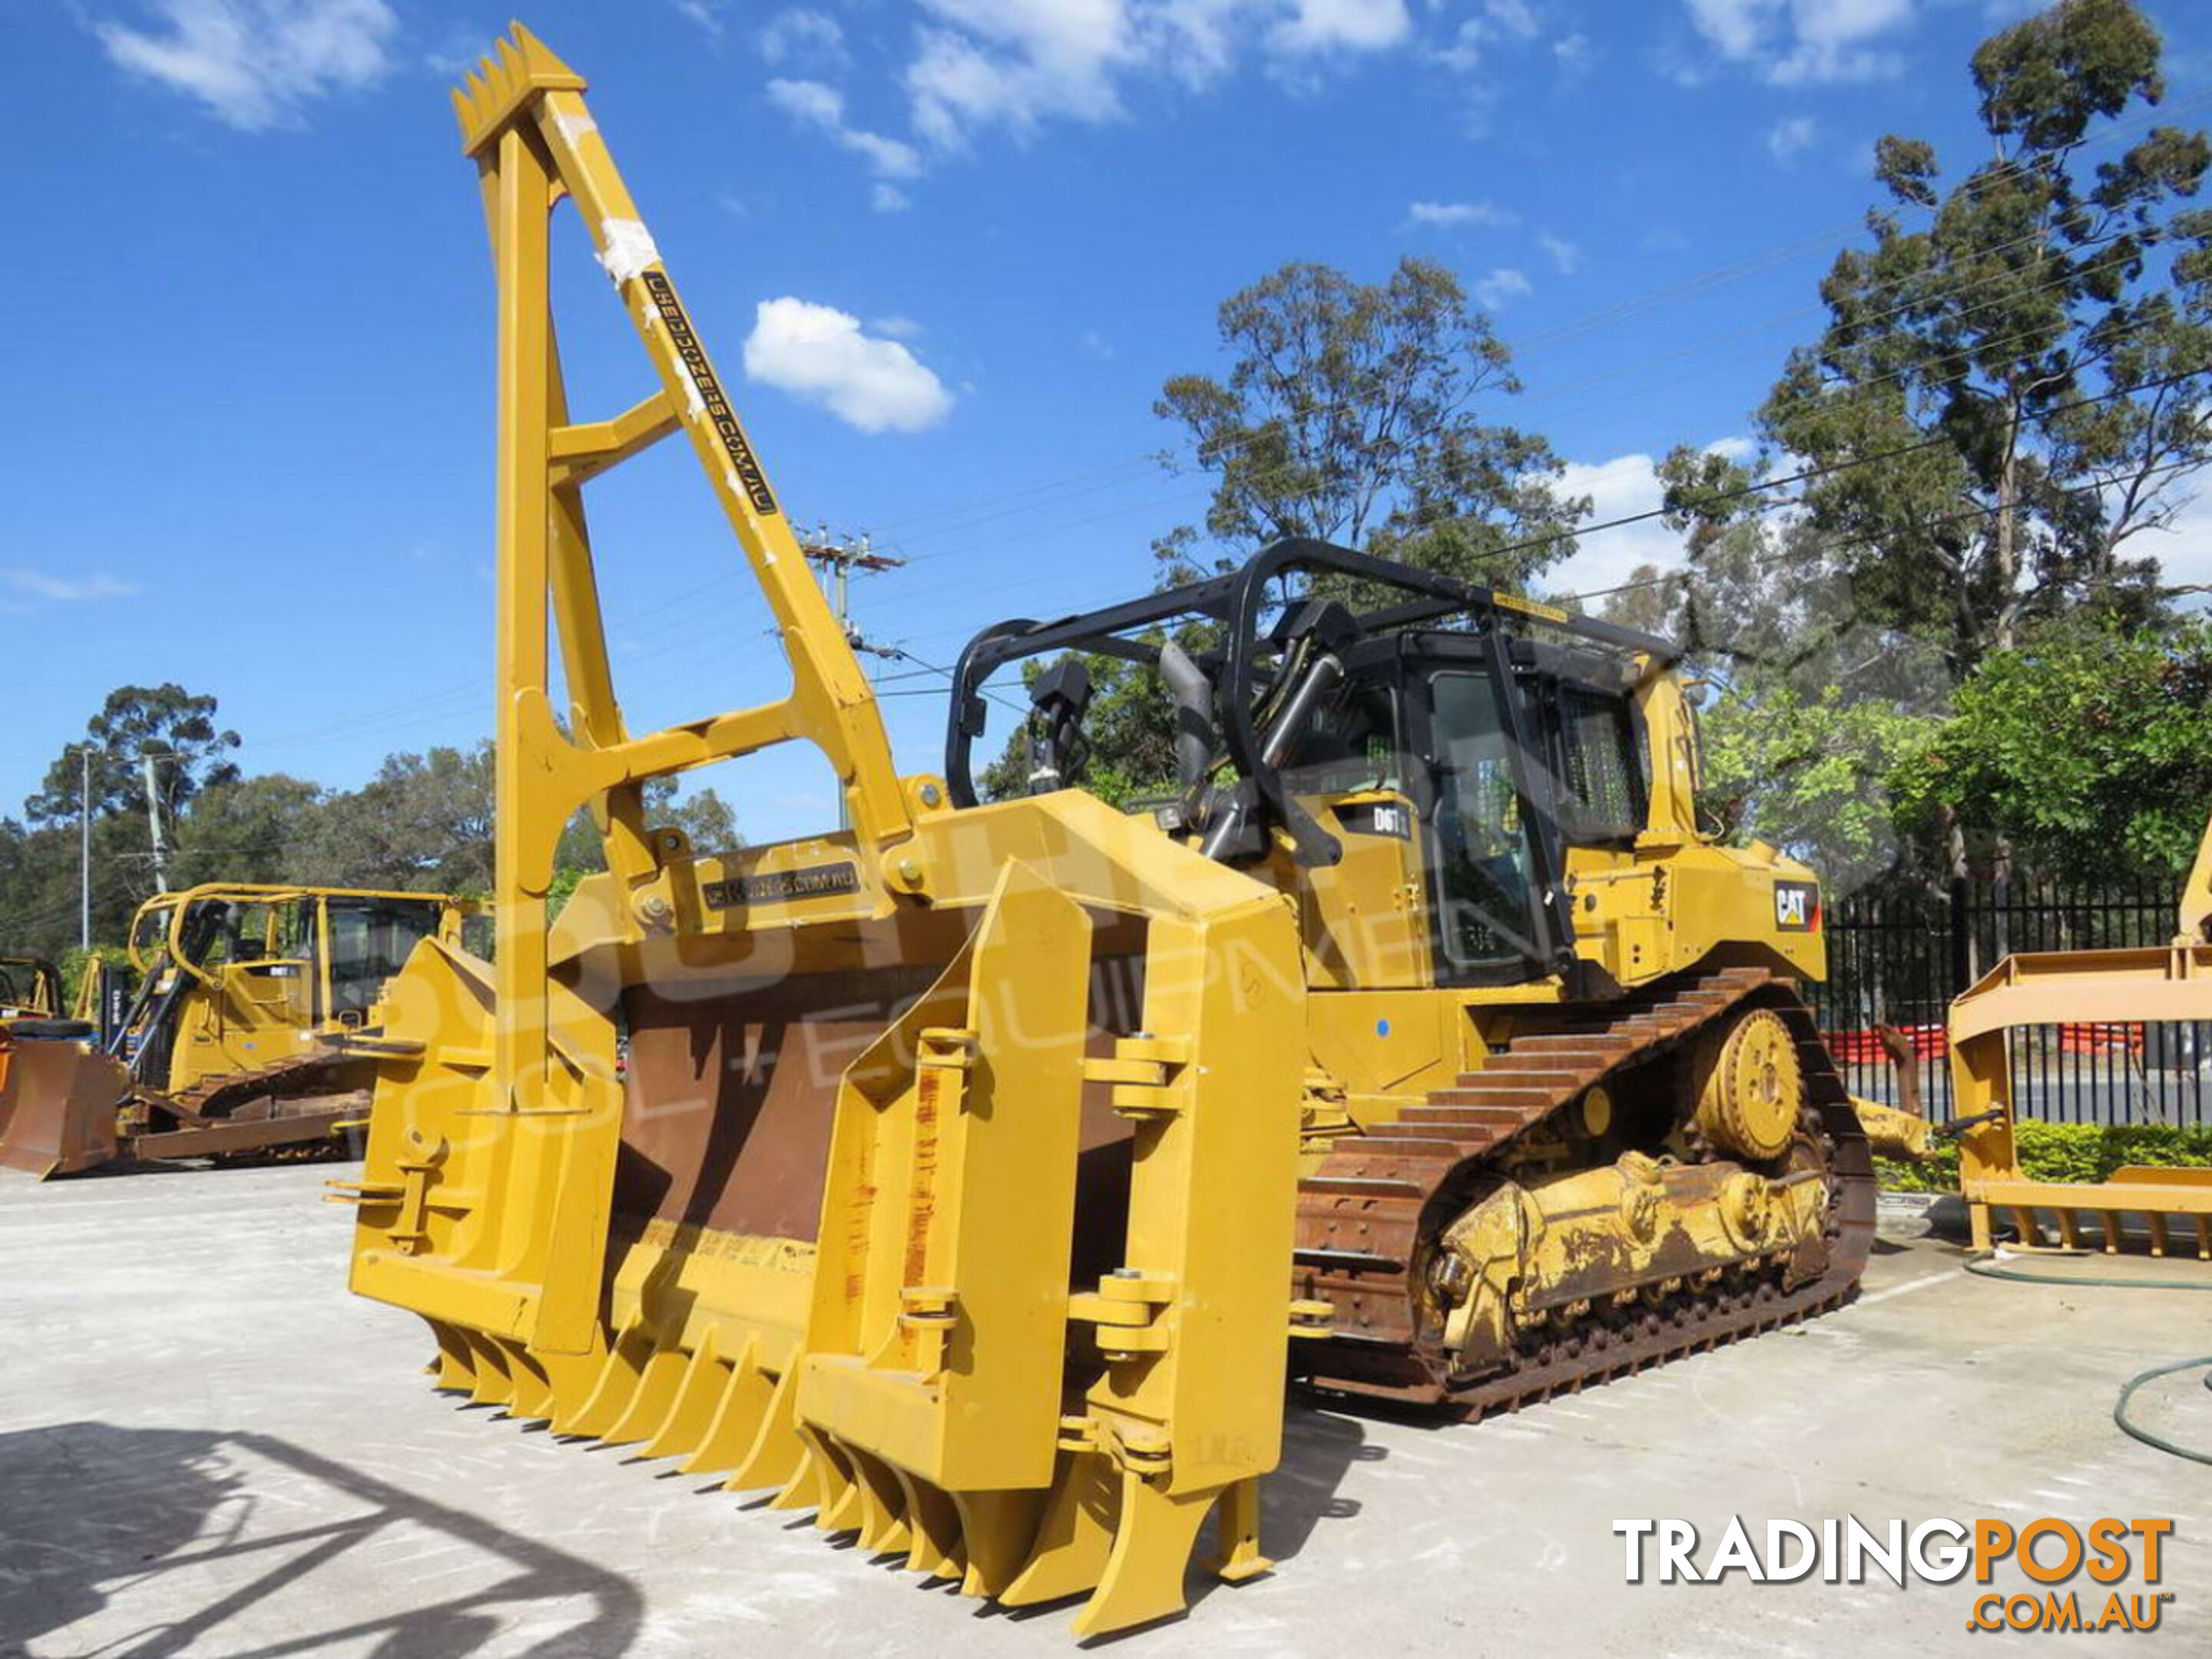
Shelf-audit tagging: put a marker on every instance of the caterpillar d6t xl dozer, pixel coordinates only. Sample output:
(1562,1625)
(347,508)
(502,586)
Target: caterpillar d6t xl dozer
(974,1176)
(236,1045)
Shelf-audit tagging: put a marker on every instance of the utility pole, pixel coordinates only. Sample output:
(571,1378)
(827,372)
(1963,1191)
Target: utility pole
(83,845)
(148,760)
(837,560)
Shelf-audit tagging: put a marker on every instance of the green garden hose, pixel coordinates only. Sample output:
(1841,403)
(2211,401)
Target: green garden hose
(1983,1266)
(2137,1431)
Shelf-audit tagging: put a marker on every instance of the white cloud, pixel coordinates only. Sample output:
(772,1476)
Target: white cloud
(1501,288)
(1795,42)
(980,67)
(888,198)
(1499,21)
(1325,26)
(1453,215)
(803,37)
(1620,488)
(1566,256)
(1786,137)
(456,52)
(706,14)
(255,63)
(983,67)
(1735,28)
(40,585)
(1465,52)
(2183,549)
(809,100)
(1014,63)
(1513,17)
(821,354)
(896,327)
(813,104)
(1617,489)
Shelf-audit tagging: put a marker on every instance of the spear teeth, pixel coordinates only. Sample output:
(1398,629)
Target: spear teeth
(505,84)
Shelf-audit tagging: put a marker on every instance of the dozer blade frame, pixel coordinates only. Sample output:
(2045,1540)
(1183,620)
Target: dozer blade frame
(916,1362)
(2049,988)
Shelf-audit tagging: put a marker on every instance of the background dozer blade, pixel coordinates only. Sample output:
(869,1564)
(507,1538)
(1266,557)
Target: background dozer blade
(57,1101)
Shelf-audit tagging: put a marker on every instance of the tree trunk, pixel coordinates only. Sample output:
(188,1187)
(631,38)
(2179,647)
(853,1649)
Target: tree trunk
(2008,551)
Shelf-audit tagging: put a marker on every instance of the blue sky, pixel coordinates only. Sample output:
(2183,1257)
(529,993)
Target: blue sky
(946,251)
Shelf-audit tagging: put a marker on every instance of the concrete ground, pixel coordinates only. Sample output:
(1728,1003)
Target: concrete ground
(208,1446)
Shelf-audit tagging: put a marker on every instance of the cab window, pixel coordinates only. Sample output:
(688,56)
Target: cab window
(1350,745)
(1483,868)
(369,943)
(1602,789)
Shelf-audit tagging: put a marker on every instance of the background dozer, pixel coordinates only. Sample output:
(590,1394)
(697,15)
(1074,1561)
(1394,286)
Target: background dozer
(44,1060)
(30,988)
(235,1045)
(969,1175)
(2025,1000)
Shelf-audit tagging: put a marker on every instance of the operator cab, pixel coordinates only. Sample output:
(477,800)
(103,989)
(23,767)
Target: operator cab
(1306,729)
(362,940)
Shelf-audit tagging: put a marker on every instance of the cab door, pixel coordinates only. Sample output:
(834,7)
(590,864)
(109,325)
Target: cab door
(1491,843)
(257,1003)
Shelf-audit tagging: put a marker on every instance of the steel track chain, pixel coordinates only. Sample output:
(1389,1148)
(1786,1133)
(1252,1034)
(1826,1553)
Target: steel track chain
(1363,1213)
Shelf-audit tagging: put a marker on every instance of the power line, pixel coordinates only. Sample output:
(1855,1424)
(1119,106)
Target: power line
(1622,311)
(437,706)
(1860,391)
(1811,473)
(1757,487)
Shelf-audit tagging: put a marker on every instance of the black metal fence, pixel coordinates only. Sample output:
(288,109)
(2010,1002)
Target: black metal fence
(1898,957)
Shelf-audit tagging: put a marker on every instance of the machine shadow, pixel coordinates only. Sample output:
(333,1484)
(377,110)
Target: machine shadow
(92,1516)
(1321,1440)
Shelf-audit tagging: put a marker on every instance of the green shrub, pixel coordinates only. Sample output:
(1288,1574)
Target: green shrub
(2077,1153)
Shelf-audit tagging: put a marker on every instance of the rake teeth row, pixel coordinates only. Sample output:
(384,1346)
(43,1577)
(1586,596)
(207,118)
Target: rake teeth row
(2111,1222)
(1099,1530)
(734,1416)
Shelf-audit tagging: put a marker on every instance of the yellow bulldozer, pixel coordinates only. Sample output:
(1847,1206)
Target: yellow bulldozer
(975,1177)
(235,1043)
(30,988)
(2118,994)
(44,1057)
